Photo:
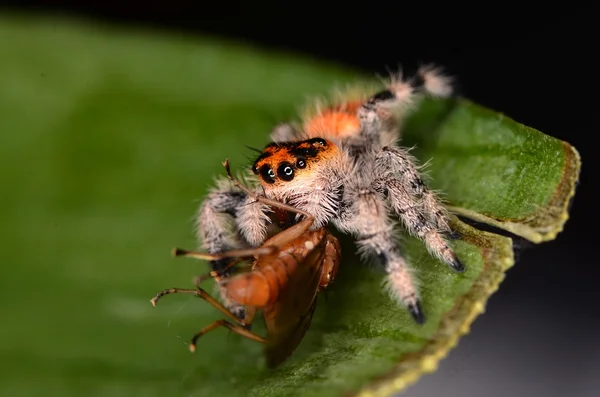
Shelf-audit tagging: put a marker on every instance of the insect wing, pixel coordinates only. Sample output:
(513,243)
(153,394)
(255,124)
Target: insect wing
(288,319)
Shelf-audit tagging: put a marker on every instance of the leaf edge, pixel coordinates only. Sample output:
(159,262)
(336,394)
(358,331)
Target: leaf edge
(561,202)
(459,319)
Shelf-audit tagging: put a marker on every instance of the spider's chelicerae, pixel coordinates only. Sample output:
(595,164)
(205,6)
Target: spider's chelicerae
(342,165)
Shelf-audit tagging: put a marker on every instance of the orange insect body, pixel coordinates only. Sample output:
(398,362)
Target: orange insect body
(284,286)
(273,273)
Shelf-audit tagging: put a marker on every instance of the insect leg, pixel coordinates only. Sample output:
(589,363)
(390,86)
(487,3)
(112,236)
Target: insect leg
(227,254)
(217,275)
(238,329)
(331,261)
(200,293)
(289,234)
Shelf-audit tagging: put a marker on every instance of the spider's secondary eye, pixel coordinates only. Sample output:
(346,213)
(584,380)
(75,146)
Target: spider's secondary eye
(267,174)
(318,141)
(255,169)
(301,163)
(285,171)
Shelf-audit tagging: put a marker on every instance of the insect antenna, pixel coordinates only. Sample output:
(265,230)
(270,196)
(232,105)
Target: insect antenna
(228,254)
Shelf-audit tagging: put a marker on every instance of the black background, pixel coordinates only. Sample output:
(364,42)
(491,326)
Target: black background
(536,64)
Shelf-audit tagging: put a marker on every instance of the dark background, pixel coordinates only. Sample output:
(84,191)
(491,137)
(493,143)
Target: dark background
(540,332)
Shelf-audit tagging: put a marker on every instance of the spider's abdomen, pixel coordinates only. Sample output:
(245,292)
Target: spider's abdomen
(338,121)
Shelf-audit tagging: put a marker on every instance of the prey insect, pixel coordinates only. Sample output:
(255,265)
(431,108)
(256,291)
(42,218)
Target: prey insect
(287,272)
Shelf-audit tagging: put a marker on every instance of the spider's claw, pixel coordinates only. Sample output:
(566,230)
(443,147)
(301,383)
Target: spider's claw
(454,235)
(458,266)
(416,312)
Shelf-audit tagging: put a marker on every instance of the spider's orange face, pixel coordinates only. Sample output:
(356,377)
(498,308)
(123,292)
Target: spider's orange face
(281,163)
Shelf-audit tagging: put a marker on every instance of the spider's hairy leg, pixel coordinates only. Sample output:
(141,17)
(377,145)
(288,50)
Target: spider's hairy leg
(428,80)
(396,162)
(367,219)
(252,221)
(412,212)
(378,116)
(214,222)
(220,209)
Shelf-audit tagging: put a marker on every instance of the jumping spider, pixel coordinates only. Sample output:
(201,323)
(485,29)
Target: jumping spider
(343,166)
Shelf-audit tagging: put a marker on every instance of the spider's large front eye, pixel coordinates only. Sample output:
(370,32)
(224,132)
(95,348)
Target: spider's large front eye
(285,171)
(267,174)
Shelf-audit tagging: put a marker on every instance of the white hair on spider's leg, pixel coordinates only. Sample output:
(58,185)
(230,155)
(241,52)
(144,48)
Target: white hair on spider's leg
(253,221)
(403,89)
(436,82)
(391,285)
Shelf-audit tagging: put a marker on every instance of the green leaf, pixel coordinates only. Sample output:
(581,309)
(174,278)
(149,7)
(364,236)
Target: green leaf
(109,140)
(494,170)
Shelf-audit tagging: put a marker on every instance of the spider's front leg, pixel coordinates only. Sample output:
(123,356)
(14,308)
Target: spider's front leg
(365,216)
(225,213)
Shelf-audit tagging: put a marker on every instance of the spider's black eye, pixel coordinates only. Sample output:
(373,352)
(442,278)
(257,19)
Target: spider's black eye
(301,163)
(267,174)
(285,171)
(318,141)
(255,169)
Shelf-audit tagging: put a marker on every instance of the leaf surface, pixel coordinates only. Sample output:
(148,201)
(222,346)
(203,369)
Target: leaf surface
(109,140)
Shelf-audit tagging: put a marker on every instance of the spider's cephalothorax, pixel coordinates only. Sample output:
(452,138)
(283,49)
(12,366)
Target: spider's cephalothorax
(311,171)
(343,166)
